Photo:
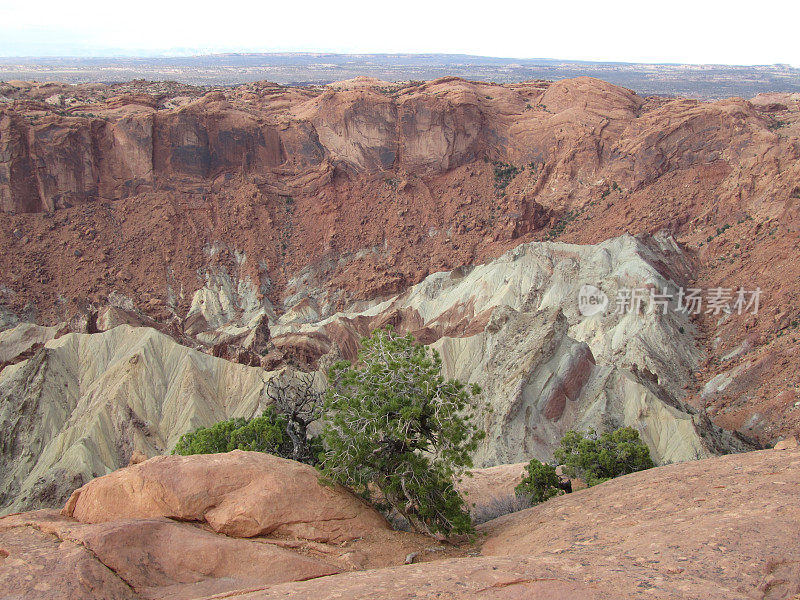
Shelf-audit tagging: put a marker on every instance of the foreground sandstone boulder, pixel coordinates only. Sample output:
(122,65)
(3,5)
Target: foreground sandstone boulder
(239,494)
(721,528)
(179,528)
(48,556)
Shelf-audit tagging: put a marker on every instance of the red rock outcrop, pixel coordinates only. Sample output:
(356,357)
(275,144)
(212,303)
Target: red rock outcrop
(723,528)
(239,494)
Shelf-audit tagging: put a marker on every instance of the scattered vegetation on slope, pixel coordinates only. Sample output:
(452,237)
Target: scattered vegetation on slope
(561,225)
(504,173)
(588,456)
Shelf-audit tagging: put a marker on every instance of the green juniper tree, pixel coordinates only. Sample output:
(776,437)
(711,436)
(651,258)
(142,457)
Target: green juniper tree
(398,432)
(592,457)
(540,483)
(598,458)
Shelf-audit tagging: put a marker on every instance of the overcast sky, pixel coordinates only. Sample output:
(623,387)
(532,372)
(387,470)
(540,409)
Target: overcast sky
(643,31)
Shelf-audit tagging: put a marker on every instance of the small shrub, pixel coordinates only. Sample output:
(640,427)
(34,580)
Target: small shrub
(499,506)
(504,173)
(540,484)
(262,434)
(208,440)
(598,458)
(259,434)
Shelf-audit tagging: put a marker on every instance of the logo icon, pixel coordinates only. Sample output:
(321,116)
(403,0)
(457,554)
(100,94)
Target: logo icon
(591,300)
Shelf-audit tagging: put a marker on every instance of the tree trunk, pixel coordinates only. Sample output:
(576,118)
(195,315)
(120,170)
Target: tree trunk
(416,524)
(297,444)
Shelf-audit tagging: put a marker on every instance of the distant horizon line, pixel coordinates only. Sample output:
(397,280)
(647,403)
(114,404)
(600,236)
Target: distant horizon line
(117,54)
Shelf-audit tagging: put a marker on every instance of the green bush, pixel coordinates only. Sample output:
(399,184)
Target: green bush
(597,458)
(259,434)
(540,483)
(398,433)
(504,173)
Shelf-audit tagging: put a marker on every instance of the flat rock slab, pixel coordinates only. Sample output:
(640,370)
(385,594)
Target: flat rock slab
(480,578)
(38,565)
(726,527)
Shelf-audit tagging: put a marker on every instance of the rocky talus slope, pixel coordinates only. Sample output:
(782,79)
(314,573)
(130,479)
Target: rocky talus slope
(84,403)
(719,528)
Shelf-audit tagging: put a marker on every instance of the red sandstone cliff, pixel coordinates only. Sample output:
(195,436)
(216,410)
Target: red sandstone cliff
(362,191)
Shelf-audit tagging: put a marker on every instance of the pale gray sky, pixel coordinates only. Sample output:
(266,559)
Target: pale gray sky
(642,31)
